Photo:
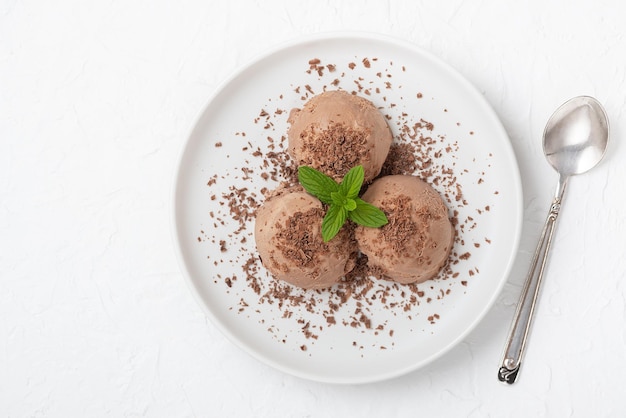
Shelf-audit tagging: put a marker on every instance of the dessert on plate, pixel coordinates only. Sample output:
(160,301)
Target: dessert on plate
(334,133)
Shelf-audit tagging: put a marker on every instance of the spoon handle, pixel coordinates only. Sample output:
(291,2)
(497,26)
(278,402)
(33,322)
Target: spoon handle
(520,327)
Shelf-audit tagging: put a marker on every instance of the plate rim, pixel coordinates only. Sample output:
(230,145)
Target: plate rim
(306,39)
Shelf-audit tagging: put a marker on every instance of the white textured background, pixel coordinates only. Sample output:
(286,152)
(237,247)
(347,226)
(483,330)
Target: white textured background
(95,101)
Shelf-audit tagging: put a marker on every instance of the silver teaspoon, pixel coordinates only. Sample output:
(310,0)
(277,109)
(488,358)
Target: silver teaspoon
(574,141)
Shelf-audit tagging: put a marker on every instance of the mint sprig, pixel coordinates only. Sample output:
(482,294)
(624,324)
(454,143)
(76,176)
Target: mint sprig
(342,199)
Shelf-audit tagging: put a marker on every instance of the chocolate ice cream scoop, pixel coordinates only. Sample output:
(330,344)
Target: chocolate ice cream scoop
(415,244)
(289,241)
(336,131)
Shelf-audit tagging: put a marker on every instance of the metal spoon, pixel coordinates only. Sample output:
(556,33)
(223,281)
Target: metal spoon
(574,141)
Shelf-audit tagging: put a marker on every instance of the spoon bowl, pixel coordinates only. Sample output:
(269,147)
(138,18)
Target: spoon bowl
(574,141)
(576,136)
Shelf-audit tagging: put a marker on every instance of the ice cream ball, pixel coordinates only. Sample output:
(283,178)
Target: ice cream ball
(416,242)
(289,241)
(336,131)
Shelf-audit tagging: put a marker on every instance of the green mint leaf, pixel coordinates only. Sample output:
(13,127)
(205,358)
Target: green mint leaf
(351,184)
(342,199)
(349,205)
(318,184)
(367,214)
(337,198)
(333,221)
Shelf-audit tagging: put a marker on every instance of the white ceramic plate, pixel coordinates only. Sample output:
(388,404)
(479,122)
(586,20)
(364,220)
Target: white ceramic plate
(408,84)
